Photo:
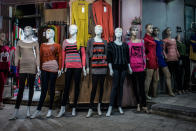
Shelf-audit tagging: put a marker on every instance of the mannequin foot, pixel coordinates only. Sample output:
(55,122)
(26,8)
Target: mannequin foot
(15,115)
(35,114)
(108,114)
(148,97)
(62,112)
(120,110)
(145,109)
(90,113)
(74,112)
(49,114)
(172,94)
(28,112)
(99,109)
(179,92)
(138,108)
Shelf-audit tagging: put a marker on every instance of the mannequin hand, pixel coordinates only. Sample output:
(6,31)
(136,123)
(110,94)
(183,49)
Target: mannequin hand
(38,72)
(87,70)
(180,62)
(59,73)
(84,71)
(111,72)
(65,70)
(130,71)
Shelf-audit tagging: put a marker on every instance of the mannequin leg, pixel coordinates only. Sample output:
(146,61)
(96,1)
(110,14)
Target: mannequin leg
(178,77)
(141,77)
(2,83)
(149,74)
(168,80)
(102,79)
(77,78)
(93,91)
(155,82)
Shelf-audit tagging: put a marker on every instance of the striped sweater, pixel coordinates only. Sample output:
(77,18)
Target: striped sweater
(73,58)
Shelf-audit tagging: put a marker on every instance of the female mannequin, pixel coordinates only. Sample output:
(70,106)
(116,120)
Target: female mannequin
(4,65)
(151,64)
(183,63)
(138,65)
(97,47)
(118,64)
(162,64)
(73,64)
(51,62)
(171,55)
(27,52)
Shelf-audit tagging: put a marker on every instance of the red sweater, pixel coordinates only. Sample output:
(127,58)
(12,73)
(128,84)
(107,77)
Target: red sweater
(4,58)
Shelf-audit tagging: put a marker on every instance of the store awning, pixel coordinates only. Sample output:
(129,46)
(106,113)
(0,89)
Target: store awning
(24,2)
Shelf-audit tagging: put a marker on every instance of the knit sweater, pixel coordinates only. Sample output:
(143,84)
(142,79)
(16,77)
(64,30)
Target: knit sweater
(96,53)
(73,58)
(28,55)
(4,58)
(51,57)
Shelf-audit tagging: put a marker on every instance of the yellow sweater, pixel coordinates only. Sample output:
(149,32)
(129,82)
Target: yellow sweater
(79,17)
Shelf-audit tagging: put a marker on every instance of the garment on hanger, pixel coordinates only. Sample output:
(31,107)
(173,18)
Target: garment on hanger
(91,22)
(72,57)
(159,53)
(102,13)
(150,48)
(79,17)
(171,50)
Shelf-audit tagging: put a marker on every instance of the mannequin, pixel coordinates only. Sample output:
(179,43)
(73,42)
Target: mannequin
(51,63)
(97,47)
(162,64)
(4,65)
(73,63)
(27,52)
(151,64)
(118,64)
(171,55)
(138,65)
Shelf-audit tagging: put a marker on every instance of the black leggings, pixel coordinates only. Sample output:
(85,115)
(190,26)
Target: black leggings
(138,79)
(45,78)
(173,69)
(117,86)
(30,80)
(95,80)
(76,72)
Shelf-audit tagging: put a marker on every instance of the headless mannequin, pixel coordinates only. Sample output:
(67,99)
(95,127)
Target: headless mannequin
(97,38)
(118,41)
(150,73)
(28,39)
(164,69)
(133,38)
(73,32)
(50,36)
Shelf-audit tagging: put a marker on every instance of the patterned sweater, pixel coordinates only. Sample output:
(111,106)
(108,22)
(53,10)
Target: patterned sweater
(4,58)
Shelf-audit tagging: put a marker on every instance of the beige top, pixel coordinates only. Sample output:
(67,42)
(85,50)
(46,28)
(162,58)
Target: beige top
(27,56)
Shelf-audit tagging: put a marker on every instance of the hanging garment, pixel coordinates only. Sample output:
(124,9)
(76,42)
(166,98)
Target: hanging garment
(159,53)
(91,22)
(4,58)
(150,47)
(171,50)
(193,47)
(102,13)
(79,17)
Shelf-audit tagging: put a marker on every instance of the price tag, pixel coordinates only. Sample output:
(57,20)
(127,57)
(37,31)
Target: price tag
(105,9)
(83,10)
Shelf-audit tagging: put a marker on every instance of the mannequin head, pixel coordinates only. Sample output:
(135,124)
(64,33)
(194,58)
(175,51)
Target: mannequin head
(98,29)
(167,33)
(118,32)
(133,30)
(50,33)
(28,31)
(149,29)
(73,29)
(156,31)
(178,37)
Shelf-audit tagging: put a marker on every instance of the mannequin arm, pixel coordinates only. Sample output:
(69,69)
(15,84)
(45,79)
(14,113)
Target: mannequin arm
(111,70)
(84,70)
(130,70)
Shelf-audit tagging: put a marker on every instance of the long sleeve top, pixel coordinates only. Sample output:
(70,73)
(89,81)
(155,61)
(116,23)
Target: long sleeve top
(29,57)
(72,57)
(150,47)
(170,49)
(181,48)
(102,12)
(137,56)
(118,55)
(51,57)
(4,58)
(160,54)
(96,56)
(79,17)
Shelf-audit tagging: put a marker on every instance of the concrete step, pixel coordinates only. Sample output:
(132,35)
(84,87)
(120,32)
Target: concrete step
(175,111)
